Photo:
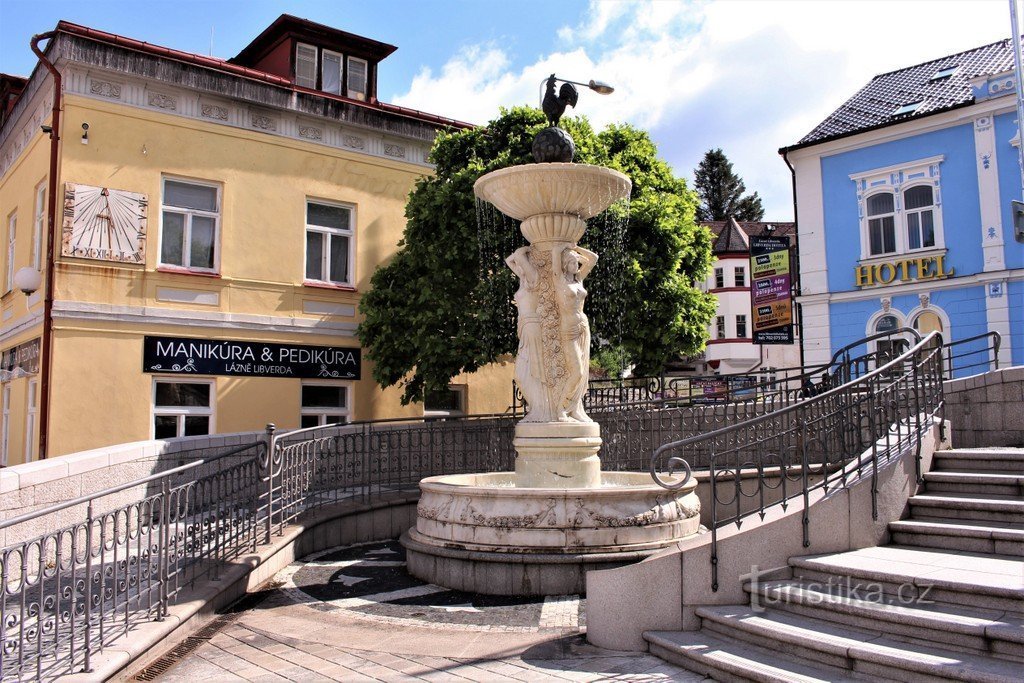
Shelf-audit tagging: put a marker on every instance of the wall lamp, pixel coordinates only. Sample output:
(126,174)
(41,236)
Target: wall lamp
(85,133)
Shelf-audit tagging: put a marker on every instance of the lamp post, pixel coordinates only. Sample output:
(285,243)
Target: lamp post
(600,87)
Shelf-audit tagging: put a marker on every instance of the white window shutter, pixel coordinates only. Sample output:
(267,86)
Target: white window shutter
(305,65)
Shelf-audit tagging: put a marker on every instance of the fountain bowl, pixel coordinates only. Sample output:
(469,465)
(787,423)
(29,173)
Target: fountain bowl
(578,190)
(481,533)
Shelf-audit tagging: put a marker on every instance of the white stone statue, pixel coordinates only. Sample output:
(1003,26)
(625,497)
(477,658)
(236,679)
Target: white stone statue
(570,265)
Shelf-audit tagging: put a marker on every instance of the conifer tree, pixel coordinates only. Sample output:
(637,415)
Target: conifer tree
(720,191)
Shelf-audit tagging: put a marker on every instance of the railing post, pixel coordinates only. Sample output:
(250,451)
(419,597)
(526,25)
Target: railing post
(270,477)
(87,666)
(165,549)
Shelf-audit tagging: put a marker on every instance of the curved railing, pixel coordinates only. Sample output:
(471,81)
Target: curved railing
(818,443)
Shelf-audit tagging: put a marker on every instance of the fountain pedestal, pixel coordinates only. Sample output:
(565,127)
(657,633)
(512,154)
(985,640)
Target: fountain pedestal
(539,530)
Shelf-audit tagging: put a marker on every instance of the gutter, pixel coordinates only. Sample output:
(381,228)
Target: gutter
(51,213)
(796,232)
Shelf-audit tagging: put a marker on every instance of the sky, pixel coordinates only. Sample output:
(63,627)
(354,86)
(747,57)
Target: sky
(745,76)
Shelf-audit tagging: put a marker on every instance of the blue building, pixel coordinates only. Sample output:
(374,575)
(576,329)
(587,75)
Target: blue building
(903,203)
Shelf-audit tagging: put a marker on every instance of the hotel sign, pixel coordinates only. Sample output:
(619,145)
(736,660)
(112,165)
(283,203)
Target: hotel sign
(906,270)
(771,298)
(20,361)
(188,356)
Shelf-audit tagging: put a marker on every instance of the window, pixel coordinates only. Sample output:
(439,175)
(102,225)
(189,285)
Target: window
(900,209)
(446,402)
(323,403)
(881,224)
(12,226)
(31,410)
(328,243)
(37,236)
(330,74)
(357,69)
(719,278)
(741,326)
(720,325)
(909,108)
(917,202)
(740,276)
(5,429)
(888,348)
(182,408)
(305,66)
(191,222)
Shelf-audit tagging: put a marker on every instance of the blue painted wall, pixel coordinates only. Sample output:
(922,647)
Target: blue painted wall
(961,209)
(1016,293)
(1009,185)
(964,306)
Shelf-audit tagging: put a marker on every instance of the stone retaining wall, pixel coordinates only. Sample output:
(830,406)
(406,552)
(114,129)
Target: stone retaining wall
(987,409)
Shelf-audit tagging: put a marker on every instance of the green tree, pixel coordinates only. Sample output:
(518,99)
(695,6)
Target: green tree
(434,311)
(721,191)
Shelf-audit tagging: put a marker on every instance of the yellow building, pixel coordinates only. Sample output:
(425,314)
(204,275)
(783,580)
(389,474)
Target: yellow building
(215,224)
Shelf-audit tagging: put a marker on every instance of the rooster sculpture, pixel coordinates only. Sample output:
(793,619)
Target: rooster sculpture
(553,106)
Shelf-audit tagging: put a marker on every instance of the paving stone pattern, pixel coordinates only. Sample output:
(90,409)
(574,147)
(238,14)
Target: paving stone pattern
(353,614)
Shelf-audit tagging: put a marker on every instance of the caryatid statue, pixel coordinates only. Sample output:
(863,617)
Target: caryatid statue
(553,360)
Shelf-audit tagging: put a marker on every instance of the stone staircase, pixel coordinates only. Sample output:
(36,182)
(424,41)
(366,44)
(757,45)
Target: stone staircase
(945,600)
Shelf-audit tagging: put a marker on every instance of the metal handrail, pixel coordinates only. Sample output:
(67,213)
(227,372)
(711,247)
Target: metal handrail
(894,404)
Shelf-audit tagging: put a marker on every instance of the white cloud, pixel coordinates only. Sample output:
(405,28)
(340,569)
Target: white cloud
(748,77)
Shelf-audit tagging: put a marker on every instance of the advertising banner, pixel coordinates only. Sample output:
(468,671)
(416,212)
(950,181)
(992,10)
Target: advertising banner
(771,290)
(708,390)
(20,361)
(188,356)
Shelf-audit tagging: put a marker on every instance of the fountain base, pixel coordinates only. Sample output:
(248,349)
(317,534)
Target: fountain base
(482,533)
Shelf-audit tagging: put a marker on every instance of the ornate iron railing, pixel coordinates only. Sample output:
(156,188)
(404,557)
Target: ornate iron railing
(69,589)
(819,443)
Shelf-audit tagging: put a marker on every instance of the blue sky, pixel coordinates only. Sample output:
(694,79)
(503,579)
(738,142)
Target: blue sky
(745,76)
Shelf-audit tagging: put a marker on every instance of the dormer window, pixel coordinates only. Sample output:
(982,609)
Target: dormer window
(357,70)
(305,66)
(330,76)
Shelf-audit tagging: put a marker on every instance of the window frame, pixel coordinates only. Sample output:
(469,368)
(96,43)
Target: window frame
(355,95)
(741,318)
(342,80)
(325,256)
(322,412)
(463,392)
(40,221)
(739,276)
(180,412)
(316,64)
(897,180)
(31,417)
(918,212)
(719,278)
(186,251)
(720,331)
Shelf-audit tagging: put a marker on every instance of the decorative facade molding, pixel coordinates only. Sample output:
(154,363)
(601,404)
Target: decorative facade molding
(162,101)
(925,299)
(311,133)
(213,111)
(106,89)
(354,142)
(392,150)
(262,121)
(886,304)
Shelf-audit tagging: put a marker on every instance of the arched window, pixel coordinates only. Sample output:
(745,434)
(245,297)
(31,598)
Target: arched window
(887,323)
(882,223)
(889,347)
(919,206)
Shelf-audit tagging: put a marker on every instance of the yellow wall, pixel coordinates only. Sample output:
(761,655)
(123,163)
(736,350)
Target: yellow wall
(99,395)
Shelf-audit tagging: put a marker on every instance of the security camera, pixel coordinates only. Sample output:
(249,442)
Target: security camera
(28,280)
(85,126)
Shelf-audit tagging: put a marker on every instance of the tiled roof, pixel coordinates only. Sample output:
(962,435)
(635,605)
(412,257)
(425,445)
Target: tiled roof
(875,104)
(731,235)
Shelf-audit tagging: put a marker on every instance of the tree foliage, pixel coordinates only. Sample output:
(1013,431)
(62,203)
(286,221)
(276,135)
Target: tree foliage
(721,191)
(432,312)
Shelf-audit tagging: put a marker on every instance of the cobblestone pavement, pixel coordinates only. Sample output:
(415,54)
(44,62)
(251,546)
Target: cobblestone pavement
(353,614)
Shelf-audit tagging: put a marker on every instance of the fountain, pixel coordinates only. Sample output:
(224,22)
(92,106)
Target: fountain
(539,530)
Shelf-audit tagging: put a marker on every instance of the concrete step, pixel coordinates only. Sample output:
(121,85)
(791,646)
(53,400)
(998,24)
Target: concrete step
(729,659)
(863,651)
(999,538)
(921,574)
(967,506)
(974,482)
(1006,460)
(947,626)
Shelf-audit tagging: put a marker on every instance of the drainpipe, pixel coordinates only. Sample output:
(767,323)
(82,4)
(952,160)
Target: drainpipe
(51,213)
(796,231)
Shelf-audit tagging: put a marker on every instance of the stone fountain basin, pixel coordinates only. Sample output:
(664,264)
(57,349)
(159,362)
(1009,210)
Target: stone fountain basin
(482,534)
(533,189)
(487,512)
